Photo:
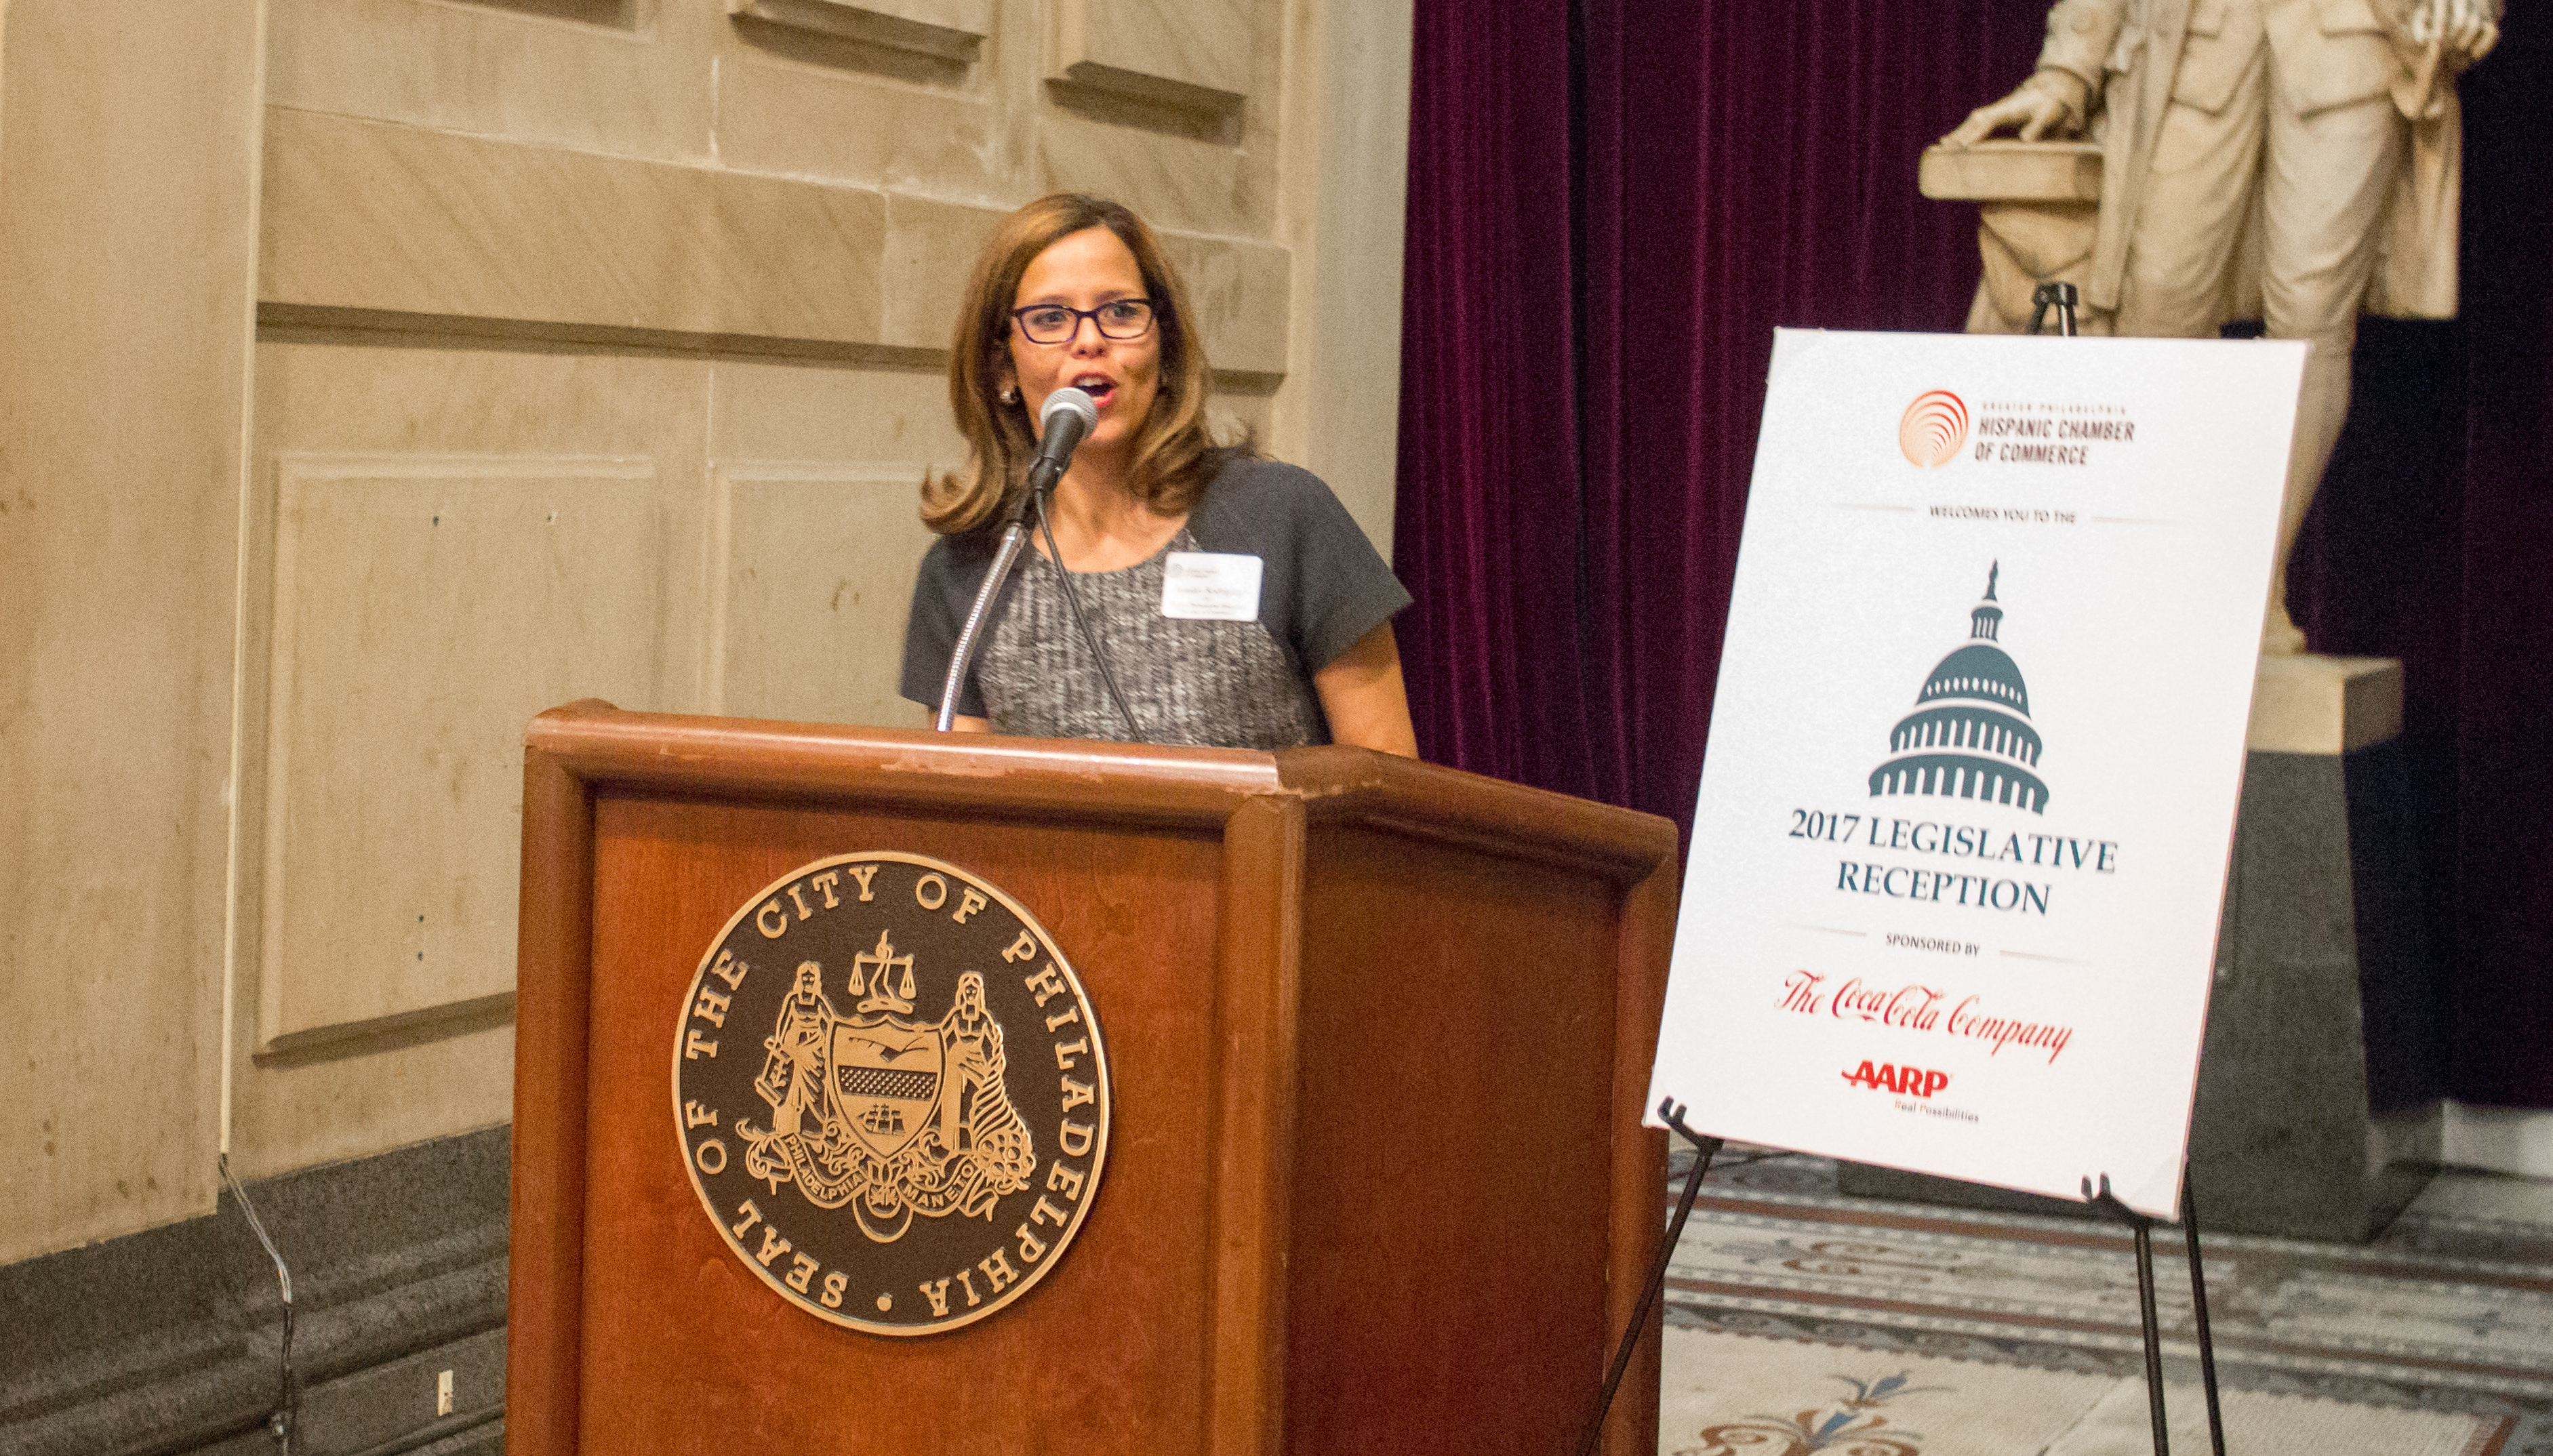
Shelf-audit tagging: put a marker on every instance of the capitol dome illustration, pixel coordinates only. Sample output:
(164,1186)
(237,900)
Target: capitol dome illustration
(1969,735)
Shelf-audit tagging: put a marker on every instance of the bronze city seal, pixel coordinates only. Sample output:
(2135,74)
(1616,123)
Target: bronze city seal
(891,1093)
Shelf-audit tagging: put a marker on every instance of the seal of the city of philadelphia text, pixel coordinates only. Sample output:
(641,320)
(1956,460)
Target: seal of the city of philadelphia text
(891,1093)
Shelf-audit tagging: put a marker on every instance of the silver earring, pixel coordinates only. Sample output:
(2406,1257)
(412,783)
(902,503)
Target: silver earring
(1010,396)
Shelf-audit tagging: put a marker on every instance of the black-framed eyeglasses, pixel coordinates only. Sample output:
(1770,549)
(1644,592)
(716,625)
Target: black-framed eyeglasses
(1055,324)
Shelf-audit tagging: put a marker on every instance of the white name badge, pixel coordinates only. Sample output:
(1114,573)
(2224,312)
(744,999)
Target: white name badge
(1210,586)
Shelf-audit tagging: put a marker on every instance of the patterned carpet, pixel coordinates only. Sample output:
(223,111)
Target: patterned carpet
(1801,1321)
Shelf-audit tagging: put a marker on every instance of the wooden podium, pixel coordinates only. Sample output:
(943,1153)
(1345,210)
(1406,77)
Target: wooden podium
(1379,1034)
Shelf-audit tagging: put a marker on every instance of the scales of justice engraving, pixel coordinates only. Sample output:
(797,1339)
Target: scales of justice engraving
(889,1114)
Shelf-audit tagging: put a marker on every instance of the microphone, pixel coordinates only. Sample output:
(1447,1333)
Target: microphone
(1067,418)
(1066,421)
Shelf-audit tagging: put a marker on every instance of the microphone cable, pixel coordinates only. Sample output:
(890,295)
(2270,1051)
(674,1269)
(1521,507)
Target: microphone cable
(1072,599)
(279,1422)
(1054,451)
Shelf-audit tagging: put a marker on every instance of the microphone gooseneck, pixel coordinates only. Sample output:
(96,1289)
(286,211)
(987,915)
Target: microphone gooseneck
(1067,419)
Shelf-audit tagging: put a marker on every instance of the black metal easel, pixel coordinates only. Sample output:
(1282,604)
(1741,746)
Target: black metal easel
(2062,299)
(2060,296)
(1671,1112)
(2102,1200)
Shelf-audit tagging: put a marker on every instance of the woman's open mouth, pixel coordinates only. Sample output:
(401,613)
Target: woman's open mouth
(1098,386)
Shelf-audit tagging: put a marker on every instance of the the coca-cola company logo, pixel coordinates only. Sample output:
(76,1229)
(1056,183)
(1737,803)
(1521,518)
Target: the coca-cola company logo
(1930,1010)
(1934,428)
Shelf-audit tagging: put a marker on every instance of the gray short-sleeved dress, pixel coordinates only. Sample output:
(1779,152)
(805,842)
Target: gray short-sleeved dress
(1223,684)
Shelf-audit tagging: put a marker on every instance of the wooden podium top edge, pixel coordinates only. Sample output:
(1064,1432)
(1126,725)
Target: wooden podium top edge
(751,758)
(1361,785)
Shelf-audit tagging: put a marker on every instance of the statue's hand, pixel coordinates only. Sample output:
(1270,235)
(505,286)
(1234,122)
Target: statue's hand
(2042,104)
(2466,30)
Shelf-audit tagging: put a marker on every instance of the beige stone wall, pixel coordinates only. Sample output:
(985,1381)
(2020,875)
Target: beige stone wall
(597,351)
(127,182)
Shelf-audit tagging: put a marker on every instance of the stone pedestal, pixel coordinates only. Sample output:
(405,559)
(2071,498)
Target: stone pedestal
(2320,1090)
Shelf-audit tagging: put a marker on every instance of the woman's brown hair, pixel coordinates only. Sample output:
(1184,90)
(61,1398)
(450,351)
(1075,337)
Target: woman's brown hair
(1172,455)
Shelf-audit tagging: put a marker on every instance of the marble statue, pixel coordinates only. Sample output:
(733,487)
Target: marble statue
(2294,161)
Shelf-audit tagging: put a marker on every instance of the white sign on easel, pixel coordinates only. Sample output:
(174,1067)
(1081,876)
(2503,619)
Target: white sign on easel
(1965,822)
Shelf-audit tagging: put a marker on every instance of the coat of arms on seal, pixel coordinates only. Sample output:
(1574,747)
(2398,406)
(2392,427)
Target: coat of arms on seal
(863,1091)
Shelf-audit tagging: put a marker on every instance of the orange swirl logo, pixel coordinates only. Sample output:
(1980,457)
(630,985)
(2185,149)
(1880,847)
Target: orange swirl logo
(1934,427)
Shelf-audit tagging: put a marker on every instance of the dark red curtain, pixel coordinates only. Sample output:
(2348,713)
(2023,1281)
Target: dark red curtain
(2432,541)
(1488,357)
(1613,203)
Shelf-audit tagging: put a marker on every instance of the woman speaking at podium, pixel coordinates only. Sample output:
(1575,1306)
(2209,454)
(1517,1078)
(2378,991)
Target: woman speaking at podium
(1231,600)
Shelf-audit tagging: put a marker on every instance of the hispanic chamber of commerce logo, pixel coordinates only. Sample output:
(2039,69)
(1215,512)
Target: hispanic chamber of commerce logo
(1969,735)
(1934,428)
(891,1093)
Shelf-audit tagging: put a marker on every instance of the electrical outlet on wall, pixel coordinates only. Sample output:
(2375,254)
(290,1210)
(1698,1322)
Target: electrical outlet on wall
(443,1394)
